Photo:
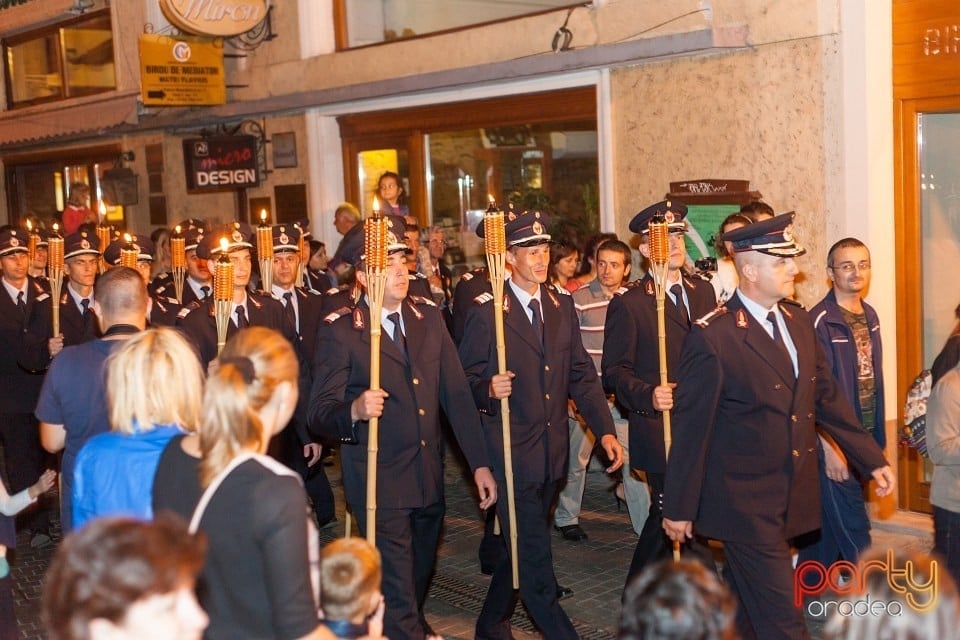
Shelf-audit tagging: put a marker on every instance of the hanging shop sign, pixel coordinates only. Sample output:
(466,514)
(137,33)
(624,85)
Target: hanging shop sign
(181,71)
(223,163)
(217,18)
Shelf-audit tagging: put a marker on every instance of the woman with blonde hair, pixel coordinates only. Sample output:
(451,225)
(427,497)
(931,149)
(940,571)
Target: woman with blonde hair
(154,384)
(258,580)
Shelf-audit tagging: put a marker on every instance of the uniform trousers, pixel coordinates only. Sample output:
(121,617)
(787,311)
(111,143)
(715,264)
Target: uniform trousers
(538,583)
(636,493)
(761,577)
(653,543)
(315,479)
(25,460)
(24,457)
(407,540)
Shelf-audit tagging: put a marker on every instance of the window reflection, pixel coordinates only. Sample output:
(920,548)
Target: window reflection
(940,210)
(938,138)
(374,21)
(72,60)
(551,167)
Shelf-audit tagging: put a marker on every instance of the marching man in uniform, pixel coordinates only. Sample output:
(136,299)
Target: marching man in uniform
(421,375)
(743,466)
(546,364)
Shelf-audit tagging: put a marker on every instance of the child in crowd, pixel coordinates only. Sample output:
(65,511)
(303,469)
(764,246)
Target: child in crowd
(350,588)
(9,507)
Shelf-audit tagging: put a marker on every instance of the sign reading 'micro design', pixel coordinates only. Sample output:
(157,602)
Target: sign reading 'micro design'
(217,18)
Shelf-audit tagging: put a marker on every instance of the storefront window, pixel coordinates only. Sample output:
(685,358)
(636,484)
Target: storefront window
(536,151)
(71,60)
(366,22)
(39,191)
(549,167)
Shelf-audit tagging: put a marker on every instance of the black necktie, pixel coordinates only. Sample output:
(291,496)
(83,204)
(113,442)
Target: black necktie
(537,319)
(777,337)
(677,292)
(398,337)
(21,305)
(289,313)
(242,322)
(205,290)
(85,314)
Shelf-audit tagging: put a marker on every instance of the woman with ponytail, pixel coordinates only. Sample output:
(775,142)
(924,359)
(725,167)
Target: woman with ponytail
(257,581)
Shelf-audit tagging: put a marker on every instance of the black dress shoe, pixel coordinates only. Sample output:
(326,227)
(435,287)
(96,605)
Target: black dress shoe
(563,592)
(572,532)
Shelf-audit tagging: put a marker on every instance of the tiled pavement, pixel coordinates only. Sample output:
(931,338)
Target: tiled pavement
(594,569)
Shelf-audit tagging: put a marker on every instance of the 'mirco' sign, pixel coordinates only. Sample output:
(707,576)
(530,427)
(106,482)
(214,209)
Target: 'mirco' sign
(217,18)
(221,164)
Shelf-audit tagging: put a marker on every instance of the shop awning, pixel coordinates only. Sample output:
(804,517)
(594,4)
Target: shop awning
(70,121)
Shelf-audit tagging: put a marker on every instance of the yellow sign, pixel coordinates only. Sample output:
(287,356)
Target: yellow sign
(215,17)
(181,71)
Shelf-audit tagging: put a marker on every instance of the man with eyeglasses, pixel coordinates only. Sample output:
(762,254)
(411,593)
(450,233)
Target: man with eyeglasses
(849,332)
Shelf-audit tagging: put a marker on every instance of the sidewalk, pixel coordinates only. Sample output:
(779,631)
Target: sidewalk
(595,569)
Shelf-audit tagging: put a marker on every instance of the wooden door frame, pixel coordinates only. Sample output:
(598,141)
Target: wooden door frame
(413,144)
(909,252)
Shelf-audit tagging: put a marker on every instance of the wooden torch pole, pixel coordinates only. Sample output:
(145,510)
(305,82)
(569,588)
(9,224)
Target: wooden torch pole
(659,243)
(55,272)
(375,245)
(222,293)
(496,248)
